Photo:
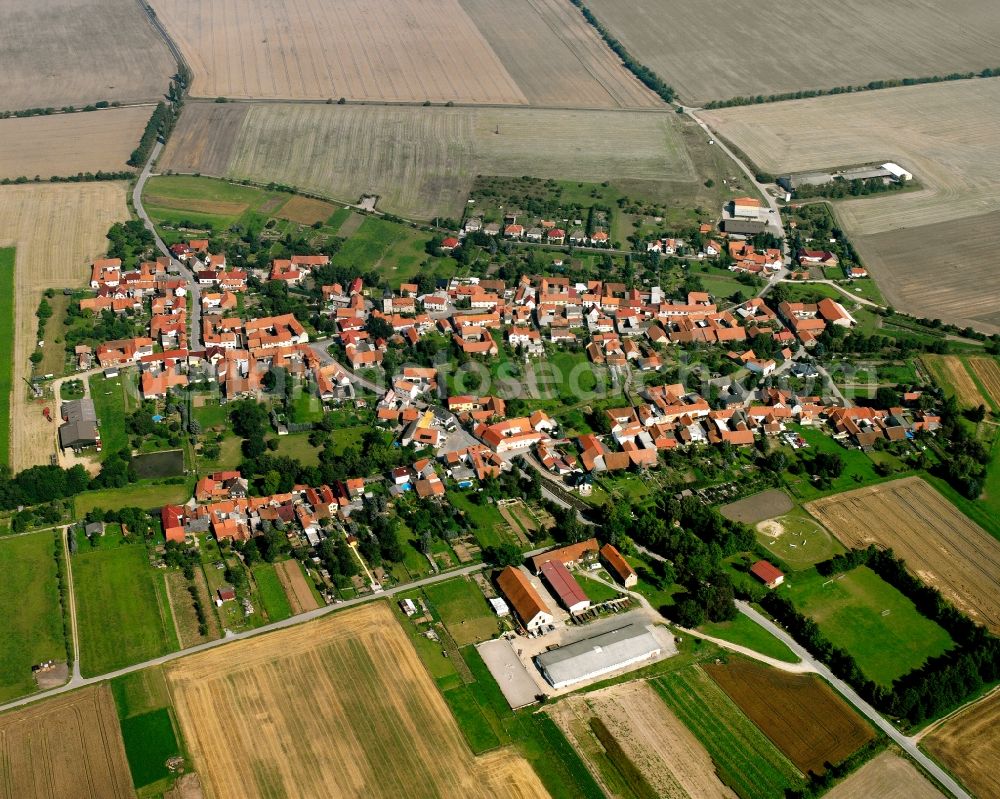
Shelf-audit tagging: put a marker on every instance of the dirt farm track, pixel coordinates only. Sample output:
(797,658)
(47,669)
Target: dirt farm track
(69,747)
(940,545)
(350,692)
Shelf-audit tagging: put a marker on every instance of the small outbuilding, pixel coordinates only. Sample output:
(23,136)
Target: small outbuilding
(616,564)
(767,573)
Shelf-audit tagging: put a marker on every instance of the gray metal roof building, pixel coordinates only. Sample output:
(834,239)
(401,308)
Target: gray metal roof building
(600,654)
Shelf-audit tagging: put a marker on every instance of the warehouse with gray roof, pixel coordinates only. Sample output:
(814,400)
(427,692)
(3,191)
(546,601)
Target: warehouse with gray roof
(600,654)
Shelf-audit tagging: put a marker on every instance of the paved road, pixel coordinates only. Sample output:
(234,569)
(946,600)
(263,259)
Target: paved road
(194,290)
(907,744)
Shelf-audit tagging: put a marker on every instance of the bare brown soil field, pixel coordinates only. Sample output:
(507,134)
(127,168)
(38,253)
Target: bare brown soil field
(555,57)
(931,250)
(800,713)
(952,376)
(59,53)
(968,745)
(350,692)
(65,144)
(393,50)
(305,210)
(888,776)
(667,754)
(57,230)
(204,144)
(70,746)
(296,589)
(671,37)
(987,371)
(940,545)
(422,161)
(758,507)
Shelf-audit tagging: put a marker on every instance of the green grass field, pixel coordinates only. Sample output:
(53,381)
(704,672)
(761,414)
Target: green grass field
(863,614)
(745,759)
(109,402)
(122,609)
(31,629)
(463,609)
(6,347)
(138,496)
(595,590)
(393,250)
(149,742)
(271,594)
(745,632)
(177,198)
(798,539)
(859,469)
(297,447)
(488,525)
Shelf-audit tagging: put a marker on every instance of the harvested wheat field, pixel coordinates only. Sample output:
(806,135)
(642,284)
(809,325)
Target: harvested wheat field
(300,597)
(940,545)
(57,230)
(671,760)
(945,135)
(305,210)
(800,713)
(555,56)
(65,144)
(350,692)
(70,746)
(78,52)
(951,375)
(421,162)
(987,371)
(888,776)
(392,50)
(926,38)
(967,745)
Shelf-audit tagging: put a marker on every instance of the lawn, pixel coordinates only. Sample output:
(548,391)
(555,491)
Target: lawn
(395,251)
(745,632)
(863,614)
(6,347)
(488,525)
(858,467)
(146,497)
(744,758)
(270,593)
(798,539)
(109,402)
(211,414)
(54,351)
(297,447)
(34,632)
(595,590)
(122,609)
(463,609)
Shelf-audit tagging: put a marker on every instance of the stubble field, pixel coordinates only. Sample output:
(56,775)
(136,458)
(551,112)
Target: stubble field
(930,250)
(293,581)
(691,44)
(77,52)
(800,713)
(940,545)
(949,372)
(968,746)
(66,747)
(57,231)
(888,776)
(422,161)
(351,692)
(65,144)
(666,753)
(987,371)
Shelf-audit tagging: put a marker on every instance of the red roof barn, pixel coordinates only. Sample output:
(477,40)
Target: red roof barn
(767,573)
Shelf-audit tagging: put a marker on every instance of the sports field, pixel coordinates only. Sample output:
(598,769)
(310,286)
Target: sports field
(744,758)
(54,54)
(968,746)
(69,746)
(863,614)
(797,539)
(122,608)
(57,231)
(65,144)
(927,39)
(421,162)
(940,545)
(944,134)
(35,632)
(888,776)
(352,694)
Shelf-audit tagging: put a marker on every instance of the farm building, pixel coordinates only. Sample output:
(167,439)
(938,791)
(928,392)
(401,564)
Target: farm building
(744,227)
(767,573)
(564,586)
(897,172)
(598,655)
(618,566)
(80,428)
(567,555)
(746,208)
(523,597)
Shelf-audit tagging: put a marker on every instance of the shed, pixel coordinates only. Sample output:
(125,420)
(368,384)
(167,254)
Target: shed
(767,573)
(618,566)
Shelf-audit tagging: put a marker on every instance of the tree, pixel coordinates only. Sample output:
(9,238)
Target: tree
(503,555)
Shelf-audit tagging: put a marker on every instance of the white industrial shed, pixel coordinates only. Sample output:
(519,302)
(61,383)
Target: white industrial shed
(598,655)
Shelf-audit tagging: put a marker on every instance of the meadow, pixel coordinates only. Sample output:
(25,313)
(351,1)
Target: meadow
(745,632)
(137,495)
(270,592)
(463,609)
(122,609)
(35,632)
